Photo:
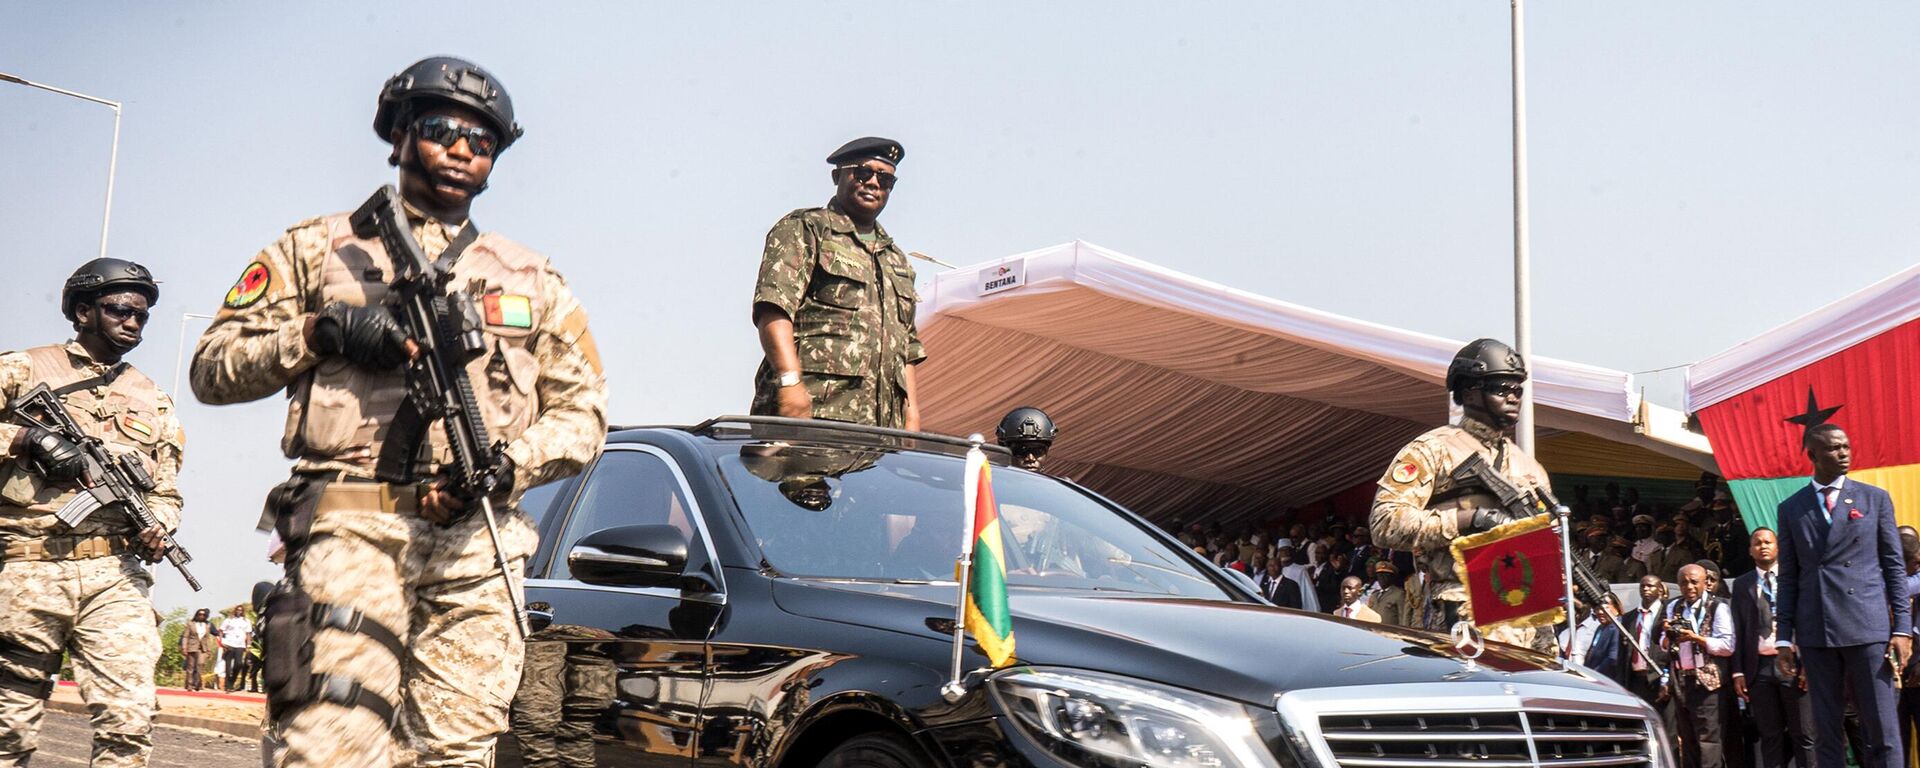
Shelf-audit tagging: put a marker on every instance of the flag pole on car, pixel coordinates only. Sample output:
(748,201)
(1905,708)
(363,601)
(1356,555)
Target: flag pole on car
(981,571)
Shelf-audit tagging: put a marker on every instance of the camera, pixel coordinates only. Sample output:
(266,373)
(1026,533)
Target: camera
(1677,626)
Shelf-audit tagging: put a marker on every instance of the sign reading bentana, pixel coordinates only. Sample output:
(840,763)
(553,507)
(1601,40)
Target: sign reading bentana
(1005,276)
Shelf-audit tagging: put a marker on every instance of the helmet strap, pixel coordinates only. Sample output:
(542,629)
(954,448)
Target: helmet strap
(410,159)
(1474,402)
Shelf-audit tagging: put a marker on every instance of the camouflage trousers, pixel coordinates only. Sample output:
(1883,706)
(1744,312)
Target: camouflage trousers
(561,695)
(98,611)
(439,591)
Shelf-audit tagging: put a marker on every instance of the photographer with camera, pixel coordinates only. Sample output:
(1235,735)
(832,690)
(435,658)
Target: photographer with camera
(1699,636)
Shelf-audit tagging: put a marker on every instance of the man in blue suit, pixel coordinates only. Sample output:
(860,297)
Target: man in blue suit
(1843,600)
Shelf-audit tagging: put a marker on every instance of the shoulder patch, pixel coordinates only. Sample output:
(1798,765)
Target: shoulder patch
(252,285)
(1406,472)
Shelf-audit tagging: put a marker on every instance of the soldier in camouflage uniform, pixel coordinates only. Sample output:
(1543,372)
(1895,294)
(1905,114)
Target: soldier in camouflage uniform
(1417,506)
(835,302)
(83,590)
(410,633)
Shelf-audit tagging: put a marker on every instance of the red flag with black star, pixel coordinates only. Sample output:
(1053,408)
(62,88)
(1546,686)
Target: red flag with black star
(1514,574)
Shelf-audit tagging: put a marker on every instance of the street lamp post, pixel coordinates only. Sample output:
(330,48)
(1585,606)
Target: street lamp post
(113,159)
(1522,282)
(180,350)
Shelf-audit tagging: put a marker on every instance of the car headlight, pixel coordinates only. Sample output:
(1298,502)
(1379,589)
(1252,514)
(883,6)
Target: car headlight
(1120,721)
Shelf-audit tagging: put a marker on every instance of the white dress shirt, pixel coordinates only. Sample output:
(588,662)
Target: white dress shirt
(1719,638)
(1819,495)
(1582,639)
(1649,624)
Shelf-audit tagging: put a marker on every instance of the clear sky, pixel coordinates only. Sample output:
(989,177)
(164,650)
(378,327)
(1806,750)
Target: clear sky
(1701,171)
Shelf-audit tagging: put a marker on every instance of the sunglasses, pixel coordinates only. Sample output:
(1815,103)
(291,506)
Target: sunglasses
(122,312)
(1503,390)
(862,174)
(447,131)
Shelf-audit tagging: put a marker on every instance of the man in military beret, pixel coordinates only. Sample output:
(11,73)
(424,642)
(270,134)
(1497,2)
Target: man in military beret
(834,303)
(1386,597)
(1615,566)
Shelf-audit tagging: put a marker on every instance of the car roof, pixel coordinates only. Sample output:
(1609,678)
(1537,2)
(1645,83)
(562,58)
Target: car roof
(812,432)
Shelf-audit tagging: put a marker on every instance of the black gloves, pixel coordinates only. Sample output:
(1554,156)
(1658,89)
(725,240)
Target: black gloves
(1486,520)
(502,477)
(57,457)
(366,336)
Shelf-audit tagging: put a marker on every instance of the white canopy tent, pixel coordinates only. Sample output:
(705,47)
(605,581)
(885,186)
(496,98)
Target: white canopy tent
(1857,317)
(1176,395)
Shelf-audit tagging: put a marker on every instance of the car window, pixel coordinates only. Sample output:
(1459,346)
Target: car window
(540,500)
(852,513)
(625,488)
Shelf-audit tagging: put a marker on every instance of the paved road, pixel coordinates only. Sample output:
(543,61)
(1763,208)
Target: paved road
(67,740)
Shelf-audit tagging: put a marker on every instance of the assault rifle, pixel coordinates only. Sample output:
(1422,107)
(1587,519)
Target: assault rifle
(105,480)
(446,331)
(1476,474)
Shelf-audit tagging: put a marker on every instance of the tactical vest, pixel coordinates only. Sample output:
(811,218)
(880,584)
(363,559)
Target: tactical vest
(1457,445)
(124,414)
(340,412)
(1520,469)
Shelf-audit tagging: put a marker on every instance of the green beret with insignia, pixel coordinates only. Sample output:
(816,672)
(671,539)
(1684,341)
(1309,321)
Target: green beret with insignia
(868,148)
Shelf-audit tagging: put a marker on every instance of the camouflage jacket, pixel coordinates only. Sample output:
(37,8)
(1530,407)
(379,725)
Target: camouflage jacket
(852,304)
(1414,506)
(539,384)
(131,415)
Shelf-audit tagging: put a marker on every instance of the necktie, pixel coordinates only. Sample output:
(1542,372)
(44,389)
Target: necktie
(1766,604)
(1826,496)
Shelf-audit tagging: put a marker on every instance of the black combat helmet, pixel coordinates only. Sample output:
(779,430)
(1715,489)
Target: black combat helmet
(106,276)
(1026,424)
(1481,359)
(449,79)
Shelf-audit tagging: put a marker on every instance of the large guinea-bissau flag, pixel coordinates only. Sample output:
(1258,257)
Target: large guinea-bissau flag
(1870,389)
(987,618)
(1514,574)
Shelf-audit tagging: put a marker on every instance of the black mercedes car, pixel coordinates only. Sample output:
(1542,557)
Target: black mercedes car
(774,593)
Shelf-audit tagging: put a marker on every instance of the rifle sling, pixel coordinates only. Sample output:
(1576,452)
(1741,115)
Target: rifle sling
(392,465)
(458,246)
(105,379)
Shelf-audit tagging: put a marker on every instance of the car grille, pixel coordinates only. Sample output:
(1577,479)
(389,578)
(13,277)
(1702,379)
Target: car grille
(1470,725)
(1486,740)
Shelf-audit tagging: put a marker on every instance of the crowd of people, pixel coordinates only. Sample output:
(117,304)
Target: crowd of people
(1302,563)
(1698,644)
(220,654)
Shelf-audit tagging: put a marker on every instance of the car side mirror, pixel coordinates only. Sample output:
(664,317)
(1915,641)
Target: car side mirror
(630,556)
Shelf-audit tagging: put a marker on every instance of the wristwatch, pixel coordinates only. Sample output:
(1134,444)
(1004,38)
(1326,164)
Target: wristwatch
(788,379)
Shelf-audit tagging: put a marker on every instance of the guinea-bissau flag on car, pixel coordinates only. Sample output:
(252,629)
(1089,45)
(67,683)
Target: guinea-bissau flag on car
(1513,574)
(987,618)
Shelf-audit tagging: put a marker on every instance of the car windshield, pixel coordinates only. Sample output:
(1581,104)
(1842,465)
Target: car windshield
(852,513)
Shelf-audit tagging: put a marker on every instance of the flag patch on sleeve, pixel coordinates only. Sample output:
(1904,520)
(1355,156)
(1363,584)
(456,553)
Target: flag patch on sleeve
(508,310)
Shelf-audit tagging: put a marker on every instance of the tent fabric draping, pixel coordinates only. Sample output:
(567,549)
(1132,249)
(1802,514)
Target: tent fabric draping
(1175,395)
(1863,315)
(1876,390)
